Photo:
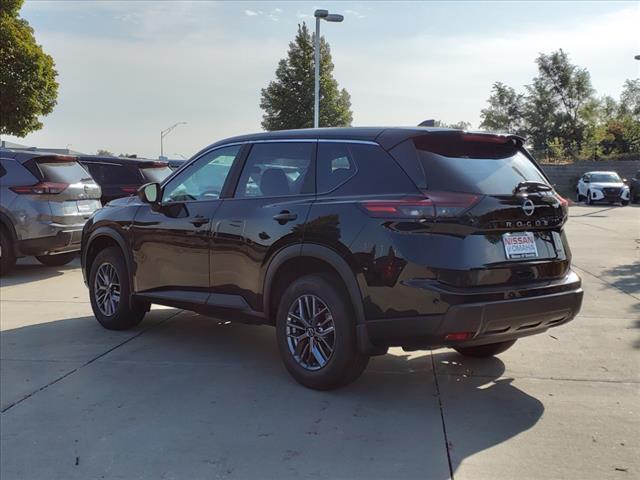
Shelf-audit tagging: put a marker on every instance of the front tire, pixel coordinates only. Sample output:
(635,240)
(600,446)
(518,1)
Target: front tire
(110,292)
(488,350)
(589,200)
(7,253)
(316,334)
(56,260)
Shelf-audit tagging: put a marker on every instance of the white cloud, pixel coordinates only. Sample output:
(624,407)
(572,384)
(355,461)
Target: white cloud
(251,13)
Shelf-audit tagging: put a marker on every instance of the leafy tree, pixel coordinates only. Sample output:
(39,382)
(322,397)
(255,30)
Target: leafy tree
(557,96)
(461,125)
(505,112)
(28,86)
(288,100)
(630,98)
(105,153)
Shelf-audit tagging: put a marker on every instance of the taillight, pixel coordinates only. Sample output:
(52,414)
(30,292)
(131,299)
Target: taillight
(432,205)
(131,189)
(42,188)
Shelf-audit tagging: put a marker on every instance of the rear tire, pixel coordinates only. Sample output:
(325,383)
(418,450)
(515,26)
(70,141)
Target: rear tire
(488,350)
(7,253)
(56,260)
(110,292)
(579,198)
(625,203)
(344,363)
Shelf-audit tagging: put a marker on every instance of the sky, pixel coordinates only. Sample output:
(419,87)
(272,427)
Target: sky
(129,69)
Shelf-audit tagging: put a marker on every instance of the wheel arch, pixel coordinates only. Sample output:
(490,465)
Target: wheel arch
(101,238)
(287,263)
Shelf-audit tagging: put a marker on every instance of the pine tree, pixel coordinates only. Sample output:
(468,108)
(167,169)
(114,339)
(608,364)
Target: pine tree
(288,100)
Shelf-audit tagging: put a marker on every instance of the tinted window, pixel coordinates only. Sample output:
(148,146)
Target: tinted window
(275,170)
(112,174)
(155,174)
(376,172)
(204,179)
(2,170)
(335,165)
(63,172)
(605,178)
(475,167)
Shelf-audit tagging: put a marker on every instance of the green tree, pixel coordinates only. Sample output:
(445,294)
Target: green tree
(104,153)
(28,87)
(505,112)
(288,100)
(461,125)
(630,98)
(555,100)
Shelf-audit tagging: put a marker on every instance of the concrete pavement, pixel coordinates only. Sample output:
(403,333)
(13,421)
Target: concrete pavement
(185,396)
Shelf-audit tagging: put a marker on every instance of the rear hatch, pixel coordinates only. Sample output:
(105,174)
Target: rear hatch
(495,219)
(72,195)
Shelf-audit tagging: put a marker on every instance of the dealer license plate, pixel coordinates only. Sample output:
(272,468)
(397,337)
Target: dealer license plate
(519,245)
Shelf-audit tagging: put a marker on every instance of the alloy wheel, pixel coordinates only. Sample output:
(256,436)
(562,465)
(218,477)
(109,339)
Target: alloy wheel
(107,289)
(310,332)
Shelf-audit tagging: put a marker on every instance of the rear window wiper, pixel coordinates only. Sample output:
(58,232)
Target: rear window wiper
(532,187)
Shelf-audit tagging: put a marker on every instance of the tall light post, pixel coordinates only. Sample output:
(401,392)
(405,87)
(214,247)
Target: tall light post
(329,17)
(165,132)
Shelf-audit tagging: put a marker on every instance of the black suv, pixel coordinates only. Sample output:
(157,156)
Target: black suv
(348,241)
(122,176)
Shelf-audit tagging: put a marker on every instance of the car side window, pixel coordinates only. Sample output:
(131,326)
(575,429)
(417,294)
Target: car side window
(335,166)
(277,170)
(3,172)
(204,179)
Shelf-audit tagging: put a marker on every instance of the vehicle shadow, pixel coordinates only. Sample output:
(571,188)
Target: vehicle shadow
(193,396)
(30,270)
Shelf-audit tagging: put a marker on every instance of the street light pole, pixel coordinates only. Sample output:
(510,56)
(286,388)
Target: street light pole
(316,87)
(329,17)
(164,133)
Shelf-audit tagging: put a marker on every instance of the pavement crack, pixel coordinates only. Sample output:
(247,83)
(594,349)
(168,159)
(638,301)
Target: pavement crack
(444,426)
(89,362)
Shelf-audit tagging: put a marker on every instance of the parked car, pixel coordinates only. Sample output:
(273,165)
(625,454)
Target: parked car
(634,188)
(348,241)
(122,176)
(45,199)
(602,187)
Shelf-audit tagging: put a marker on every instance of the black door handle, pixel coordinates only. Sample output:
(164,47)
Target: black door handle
(285,216)
(199,221)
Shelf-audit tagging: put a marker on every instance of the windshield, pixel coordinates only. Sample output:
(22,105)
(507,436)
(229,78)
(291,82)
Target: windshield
(487,176)
(64,172)
(605,178)
(156,174)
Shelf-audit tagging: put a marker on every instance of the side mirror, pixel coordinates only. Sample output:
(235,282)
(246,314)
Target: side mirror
(586,180)
(149,193)
(624,180)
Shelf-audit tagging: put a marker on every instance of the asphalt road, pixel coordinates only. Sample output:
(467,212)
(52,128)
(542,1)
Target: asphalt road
(188,397)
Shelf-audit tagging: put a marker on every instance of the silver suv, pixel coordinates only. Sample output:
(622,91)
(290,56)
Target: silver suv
(45,200)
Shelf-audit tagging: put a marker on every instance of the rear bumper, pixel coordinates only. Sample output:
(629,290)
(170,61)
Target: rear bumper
(519,313)
(64,241)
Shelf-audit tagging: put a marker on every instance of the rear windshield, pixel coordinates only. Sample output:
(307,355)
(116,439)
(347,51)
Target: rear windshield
(156,174)
(63,172)
(474,167)
(111,174)
(605,178)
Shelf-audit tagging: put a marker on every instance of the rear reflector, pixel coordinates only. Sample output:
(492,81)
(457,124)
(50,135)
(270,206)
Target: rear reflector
(42,188)
(432,205)
(458,336)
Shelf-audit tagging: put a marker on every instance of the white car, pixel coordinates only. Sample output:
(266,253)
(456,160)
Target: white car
(602,187)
